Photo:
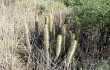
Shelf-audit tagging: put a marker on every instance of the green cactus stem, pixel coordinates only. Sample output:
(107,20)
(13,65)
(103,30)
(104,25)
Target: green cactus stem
(58,48)
(63,32)
(46,43)
(50,22)
(27,37)
(60,16)
(73,46)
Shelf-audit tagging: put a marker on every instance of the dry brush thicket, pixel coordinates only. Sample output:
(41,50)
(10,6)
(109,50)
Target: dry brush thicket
(24,47)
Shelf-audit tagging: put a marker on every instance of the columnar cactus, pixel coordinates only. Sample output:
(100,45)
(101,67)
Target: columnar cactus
(46,21)
(60,16)
(27,36)
(50,22)
(46,43)
(58,47)
(73,45)
(63,32)
(61,39)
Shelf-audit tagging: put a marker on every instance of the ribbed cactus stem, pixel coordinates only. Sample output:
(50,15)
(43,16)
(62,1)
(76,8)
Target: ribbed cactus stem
(46,43)
(63,32)
(46,21)
(60,16)
(51,22)
(27,37)
(73,46)
(58,48)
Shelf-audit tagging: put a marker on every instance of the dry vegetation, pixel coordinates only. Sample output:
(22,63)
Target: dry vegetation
(20,52)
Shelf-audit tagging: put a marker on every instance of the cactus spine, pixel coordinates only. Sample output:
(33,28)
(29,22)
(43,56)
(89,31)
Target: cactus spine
(46,43)
(72,49)
(58,48)
(27,37)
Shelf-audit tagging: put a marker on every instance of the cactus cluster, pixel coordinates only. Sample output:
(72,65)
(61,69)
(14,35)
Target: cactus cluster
(60,39)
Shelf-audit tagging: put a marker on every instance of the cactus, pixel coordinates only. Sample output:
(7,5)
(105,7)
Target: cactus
(46,21)
(27,37)
(58,48)
(46,43)
(72,49)
(51,22)
(63,32)
(60,16)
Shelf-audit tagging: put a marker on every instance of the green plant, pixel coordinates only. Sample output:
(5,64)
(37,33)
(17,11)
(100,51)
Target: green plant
(102,65)
(94,16)
(56,4)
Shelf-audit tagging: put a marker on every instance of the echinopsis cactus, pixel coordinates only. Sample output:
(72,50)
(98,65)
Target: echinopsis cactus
(63,32)
(50,22)
(72,48)
(60,16)
(46,21)
(50,31)
(46,43)
(58,47)
(27,36)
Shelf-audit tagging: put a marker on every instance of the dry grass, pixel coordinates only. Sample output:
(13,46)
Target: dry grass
(13,51)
